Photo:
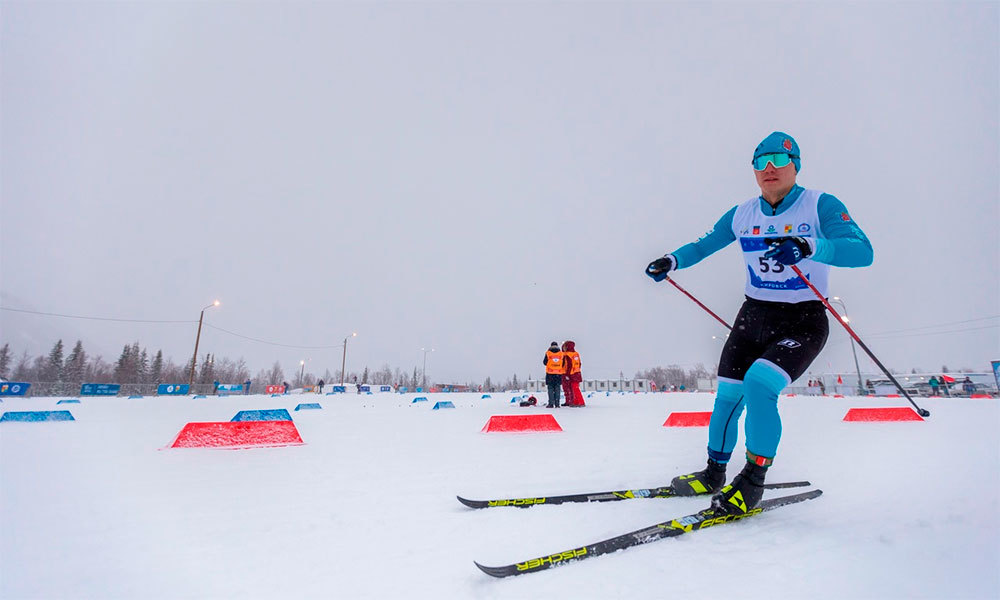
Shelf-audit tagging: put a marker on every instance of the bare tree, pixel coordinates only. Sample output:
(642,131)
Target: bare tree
(276,375)
(22,370)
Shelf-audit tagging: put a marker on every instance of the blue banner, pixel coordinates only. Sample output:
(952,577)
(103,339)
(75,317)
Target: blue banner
(229,387)
(385,388)
(13,388)
(270,414)
(99,389)
(366,388)
(173,389)
(339,389)
(996,371)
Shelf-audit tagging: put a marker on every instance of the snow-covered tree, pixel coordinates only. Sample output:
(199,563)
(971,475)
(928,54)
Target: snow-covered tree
(4,360)
(76,364)
(53,369)
(156,368)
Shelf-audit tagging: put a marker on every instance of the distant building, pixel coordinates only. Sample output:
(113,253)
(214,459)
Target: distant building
(600,385)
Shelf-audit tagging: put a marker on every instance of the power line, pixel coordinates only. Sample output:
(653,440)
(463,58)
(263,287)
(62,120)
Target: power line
(48,314)
(940,325)
(246,337)
(899,335)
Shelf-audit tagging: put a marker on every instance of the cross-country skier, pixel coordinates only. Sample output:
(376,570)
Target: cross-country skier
(782,326)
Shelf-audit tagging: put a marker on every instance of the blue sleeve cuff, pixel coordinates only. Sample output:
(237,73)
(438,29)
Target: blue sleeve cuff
(823,252)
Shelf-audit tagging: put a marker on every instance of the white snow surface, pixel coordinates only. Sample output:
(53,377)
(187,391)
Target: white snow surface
(101,508)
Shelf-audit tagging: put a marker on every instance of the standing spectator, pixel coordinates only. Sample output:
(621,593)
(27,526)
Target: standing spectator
(285,385)
(215,388)
(822,386)
(870,386)
(554,368)
(246,388)
(968,387)
(572,376)
(944,381)
(320,386)
(935,384)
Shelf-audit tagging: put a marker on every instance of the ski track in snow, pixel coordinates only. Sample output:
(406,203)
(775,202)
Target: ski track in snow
(100,508)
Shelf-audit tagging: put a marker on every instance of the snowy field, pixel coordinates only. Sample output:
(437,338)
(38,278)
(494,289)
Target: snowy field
(99,508)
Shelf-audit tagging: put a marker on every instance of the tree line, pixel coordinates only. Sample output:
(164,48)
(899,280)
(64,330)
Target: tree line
(138,365)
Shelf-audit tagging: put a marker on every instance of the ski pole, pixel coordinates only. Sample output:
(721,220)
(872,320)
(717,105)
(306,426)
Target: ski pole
(923,412)
(696,301)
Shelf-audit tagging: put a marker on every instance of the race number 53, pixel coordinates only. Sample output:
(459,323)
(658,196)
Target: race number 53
(767,265)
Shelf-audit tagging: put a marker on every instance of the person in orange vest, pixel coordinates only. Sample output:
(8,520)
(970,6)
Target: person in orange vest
(554,368)
(572,376)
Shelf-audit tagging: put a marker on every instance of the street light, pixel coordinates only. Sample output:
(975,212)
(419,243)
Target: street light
(197,339)
(846,319)
(302,372)
(424,376)
(343,362)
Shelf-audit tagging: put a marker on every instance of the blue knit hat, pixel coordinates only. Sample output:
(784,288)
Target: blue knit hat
(779,143)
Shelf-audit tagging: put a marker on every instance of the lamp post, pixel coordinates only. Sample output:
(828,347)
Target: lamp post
(424,376)
(343,362)
(302,372)
(854,351)
(194,360)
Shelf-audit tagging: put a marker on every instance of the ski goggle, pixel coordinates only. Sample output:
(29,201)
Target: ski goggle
(778,160)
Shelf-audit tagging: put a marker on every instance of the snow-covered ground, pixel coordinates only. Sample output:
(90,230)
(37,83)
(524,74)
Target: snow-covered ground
(98,508)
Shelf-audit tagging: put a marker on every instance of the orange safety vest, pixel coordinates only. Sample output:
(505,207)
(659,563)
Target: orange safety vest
(573,360)
(555,363)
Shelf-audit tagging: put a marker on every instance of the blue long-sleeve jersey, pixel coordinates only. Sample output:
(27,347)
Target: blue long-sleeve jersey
(840,243)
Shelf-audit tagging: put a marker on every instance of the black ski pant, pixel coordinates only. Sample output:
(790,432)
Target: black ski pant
(554,384)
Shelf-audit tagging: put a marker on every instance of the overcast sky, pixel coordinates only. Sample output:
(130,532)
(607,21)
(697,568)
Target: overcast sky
(483,178)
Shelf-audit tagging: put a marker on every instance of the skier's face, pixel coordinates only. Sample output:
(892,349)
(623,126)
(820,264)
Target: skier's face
(775,181)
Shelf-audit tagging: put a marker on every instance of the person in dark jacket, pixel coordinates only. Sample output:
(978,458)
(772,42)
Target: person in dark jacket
(554,368)
(320,385)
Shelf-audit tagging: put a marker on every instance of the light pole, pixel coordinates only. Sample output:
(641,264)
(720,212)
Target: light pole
(424,376)
(302,372)
(343,362)
(861,386)
(194,360)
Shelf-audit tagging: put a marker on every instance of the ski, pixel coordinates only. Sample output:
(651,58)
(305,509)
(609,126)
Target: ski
(610,496)
(671,528)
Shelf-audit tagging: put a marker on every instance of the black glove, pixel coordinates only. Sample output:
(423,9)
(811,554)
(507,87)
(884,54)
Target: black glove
(659,268)
(789,250)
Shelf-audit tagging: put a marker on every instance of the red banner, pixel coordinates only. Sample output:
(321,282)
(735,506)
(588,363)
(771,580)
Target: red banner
(275,389)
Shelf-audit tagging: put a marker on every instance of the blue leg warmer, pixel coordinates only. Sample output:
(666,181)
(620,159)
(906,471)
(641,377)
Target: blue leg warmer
(725,424)
(761,385)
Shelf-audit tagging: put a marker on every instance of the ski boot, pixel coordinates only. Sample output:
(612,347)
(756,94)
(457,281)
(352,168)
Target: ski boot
(708,481)
(743,494)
